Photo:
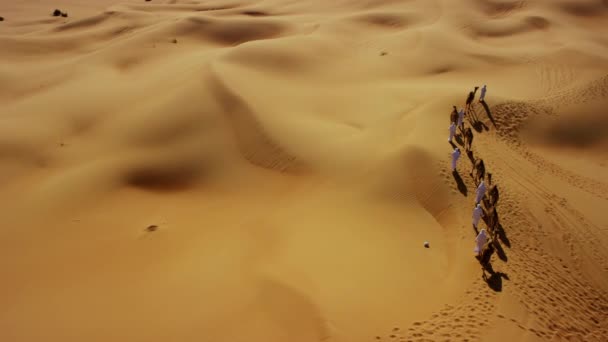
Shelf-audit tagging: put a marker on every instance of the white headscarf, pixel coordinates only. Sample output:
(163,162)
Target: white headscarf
(480,240)
(477,213)
(477,207)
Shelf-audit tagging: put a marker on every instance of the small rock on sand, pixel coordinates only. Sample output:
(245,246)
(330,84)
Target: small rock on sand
(1,18)
(152,228)
(58,13)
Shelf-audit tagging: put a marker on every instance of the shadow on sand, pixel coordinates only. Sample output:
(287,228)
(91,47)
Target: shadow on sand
(474,121)
(461,186)
(480,127)
(502,235)
(488,112)
(459,139)
(494,281)
(500,251)
(471,156)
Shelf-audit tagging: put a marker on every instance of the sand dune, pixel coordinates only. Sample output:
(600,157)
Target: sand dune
(270,170)
(576,126)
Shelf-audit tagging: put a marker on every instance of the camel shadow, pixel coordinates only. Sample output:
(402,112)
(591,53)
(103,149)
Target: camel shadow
(459,140)
(479,126)
(461,186)
(491,218)
(471,156)
(502,235)
(500,251)
(488,112)
(494,281)
(472,116)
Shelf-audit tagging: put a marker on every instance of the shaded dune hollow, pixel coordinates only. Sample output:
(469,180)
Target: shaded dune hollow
(583,8)
(510,26)
(230,31)
(168,175)
(255,13)
(498,8)
(384,20)
(194,6)
(580,127)
(105,26)
(84,23)
(569,117)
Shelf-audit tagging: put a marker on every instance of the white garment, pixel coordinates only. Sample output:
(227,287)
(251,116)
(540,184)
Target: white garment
(455,156)
(477,214)
(483,93)
(452,131)
(481,191)
(460,117)
(480,241)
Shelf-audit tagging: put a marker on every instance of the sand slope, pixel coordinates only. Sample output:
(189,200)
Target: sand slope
(291,157)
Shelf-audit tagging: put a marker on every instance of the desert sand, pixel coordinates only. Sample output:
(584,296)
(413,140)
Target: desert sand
(233,170)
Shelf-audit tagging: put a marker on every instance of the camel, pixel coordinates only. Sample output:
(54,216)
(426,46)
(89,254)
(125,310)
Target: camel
(468,138)
(486,253)
(493,194)
(491,218)
(454,115)
(480,170)
(471,98)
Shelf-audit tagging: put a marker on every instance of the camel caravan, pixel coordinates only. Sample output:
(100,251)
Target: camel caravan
(486,193)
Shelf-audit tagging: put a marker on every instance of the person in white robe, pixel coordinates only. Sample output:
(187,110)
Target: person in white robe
(452,131)
(480,241)
(482,96)
(461,119)
(477,214)
(455,156)
(481,191)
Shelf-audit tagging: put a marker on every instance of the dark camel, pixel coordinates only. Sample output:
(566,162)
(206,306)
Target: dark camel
(486,253)
(468,138)
(480,170)
(491,218)
(493,195)
(470,98)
